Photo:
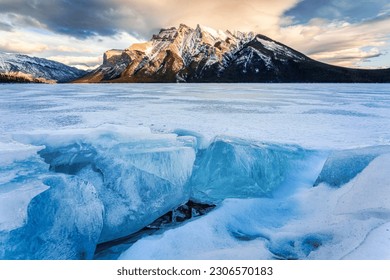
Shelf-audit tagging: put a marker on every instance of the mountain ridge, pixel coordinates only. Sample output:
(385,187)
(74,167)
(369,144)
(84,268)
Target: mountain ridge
(203,54)
(26,69)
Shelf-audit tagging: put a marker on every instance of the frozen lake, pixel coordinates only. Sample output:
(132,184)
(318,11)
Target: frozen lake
(296,171)
(312,115)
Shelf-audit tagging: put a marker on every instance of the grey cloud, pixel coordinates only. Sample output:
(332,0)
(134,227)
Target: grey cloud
(83,19)
(87,18)
(80,19)
(22,20)
(326,46)
(350,60)
(352,10)
(5,26)
(340,42)
(357,57)
(378,19)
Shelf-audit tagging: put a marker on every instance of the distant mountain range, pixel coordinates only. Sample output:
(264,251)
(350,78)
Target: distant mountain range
(203,54)
(26,69)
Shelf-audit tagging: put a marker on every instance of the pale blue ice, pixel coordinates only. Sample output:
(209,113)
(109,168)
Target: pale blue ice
(296,171)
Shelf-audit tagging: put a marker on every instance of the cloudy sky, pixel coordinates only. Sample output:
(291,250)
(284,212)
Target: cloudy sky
(76,32)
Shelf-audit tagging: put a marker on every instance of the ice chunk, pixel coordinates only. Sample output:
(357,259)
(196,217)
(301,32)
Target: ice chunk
(14,199)
(113,182)
(63,222)
(342,166)
(138,178)
(370,192)
(234,168)
(139,188)
(200,143)
(20,169)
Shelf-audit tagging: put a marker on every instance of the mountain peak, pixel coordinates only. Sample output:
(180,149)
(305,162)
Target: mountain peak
(216,34)
(183,26)
(204,54)
(165,34)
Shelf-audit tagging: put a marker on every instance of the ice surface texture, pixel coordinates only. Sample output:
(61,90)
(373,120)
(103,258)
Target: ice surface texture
(120,182)
(69,181)
(88,186)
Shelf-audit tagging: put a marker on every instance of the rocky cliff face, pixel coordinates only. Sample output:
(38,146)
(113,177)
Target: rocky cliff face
(203,54)
(23,68)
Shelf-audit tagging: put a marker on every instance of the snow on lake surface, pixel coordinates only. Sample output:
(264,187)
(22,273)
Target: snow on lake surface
(312,115)
(114,158)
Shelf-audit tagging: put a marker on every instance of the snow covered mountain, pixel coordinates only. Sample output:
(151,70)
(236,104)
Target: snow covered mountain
(23,68)
(203,54)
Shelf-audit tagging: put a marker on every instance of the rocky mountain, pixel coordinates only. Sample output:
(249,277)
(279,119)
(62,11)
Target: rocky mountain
(203,54)
(23,68)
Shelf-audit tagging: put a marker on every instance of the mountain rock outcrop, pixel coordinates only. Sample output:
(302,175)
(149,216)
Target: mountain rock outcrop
(203,54)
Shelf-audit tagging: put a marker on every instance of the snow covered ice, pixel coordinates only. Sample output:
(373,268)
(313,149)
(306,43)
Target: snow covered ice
(295,171)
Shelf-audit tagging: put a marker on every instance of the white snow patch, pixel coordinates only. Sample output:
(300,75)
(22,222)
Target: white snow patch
(273,46)
(375,246)
(15,151)
(211,31)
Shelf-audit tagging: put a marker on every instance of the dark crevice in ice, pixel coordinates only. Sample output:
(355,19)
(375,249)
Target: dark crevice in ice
(69,159)
(173,218)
